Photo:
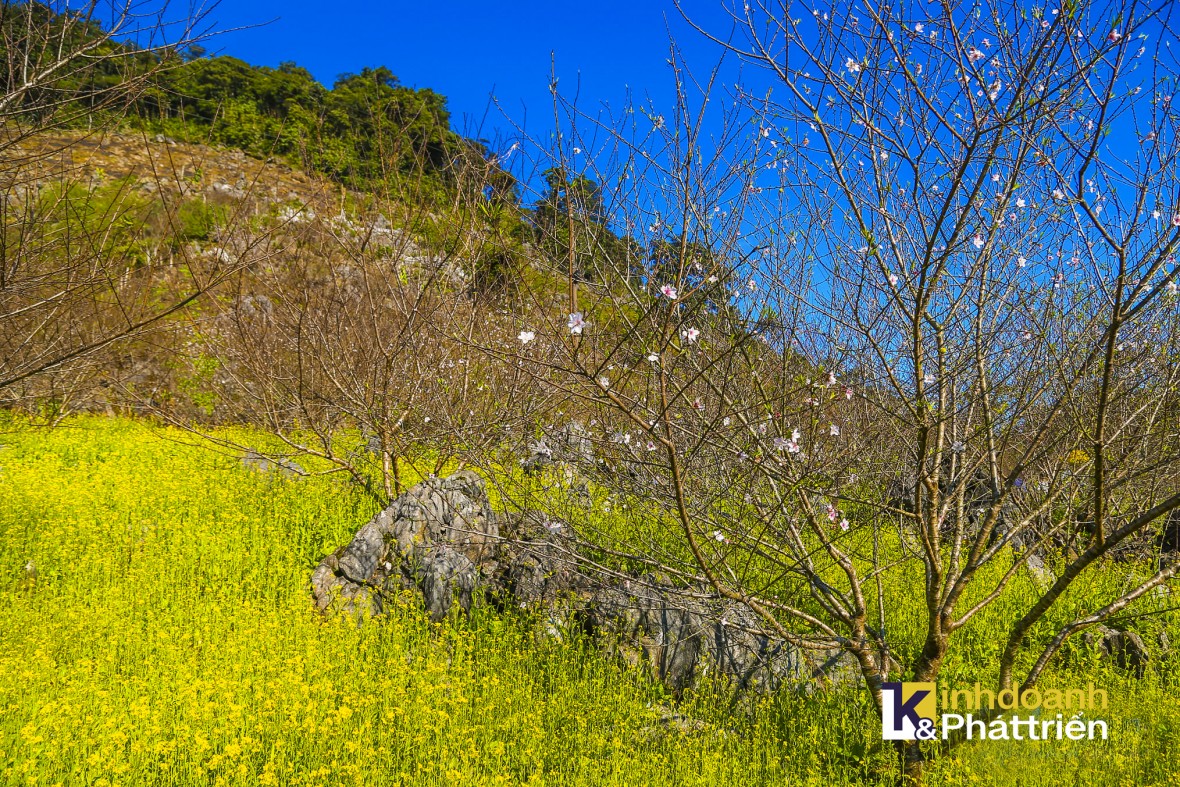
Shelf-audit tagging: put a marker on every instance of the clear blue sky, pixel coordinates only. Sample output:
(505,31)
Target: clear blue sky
(467,50)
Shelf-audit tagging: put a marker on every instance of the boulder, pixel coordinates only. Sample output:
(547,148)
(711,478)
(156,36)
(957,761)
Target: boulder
(1125,648)
(431,539)
(441,541)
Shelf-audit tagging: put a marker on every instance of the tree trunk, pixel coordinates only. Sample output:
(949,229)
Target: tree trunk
(910,762)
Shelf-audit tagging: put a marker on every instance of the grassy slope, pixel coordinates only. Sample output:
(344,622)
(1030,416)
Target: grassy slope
(169,639)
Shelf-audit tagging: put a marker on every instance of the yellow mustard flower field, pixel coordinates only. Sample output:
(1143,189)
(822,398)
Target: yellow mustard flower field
(156,629)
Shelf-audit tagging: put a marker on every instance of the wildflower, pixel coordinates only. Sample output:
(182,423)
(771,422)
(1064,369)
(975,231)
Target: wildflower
(1020,262)
(526,337)
(690,335)
(576,323)
(834,430)
(1058,194)
(668,291)
(833,514)
(893,279)
(974,55)
(852,66)
(1020,203)
(651,446)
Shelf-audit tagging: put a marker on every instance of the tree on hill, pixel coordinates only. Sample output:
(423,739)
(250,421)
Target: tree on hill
(956,355)
(72,280)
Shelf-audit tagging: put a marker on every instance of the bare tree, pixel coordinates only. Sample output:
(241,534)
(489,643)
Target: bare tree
(71,282)
(905,334)
(354,344)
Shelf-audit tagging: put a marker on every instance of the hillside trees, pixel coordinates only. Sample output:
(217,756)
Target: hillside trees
(365,129)
(948,236)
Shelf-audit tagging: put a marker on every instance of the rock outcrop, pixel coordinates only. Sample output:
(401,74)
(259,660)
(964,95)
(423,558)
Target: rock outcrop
(432,539)
(442,541)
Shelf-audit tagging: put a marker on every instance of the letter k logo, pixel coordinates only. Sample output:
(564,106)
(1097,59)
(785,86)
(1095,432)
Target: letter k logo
(904,707)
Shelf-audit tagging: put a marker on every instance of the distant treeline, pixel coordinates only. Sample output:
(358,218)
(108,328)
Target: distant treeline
(366,130)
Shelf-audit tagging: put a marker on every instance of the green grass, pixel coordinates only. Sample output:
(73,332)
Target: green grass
(169,638)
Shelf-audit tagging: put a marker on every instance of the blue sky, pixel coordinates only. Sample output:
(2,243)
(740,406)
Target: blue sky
(467,50)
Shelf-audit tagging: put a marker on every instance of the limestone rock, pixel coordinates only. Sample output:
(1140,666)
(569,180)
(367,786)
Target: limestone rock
(442,541)
(1126,648)
(431,539)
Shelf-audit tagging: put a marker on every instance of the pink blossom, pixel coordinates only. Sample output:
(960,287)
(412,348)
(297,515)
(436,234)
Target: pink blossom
(668,291)
(690,334)
(576,323)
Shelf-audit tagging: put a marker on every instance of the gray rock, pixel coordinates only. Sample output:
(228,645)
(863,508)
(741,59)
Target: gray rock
(267,464)
(442,542)
(432,539)
(1126,648)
